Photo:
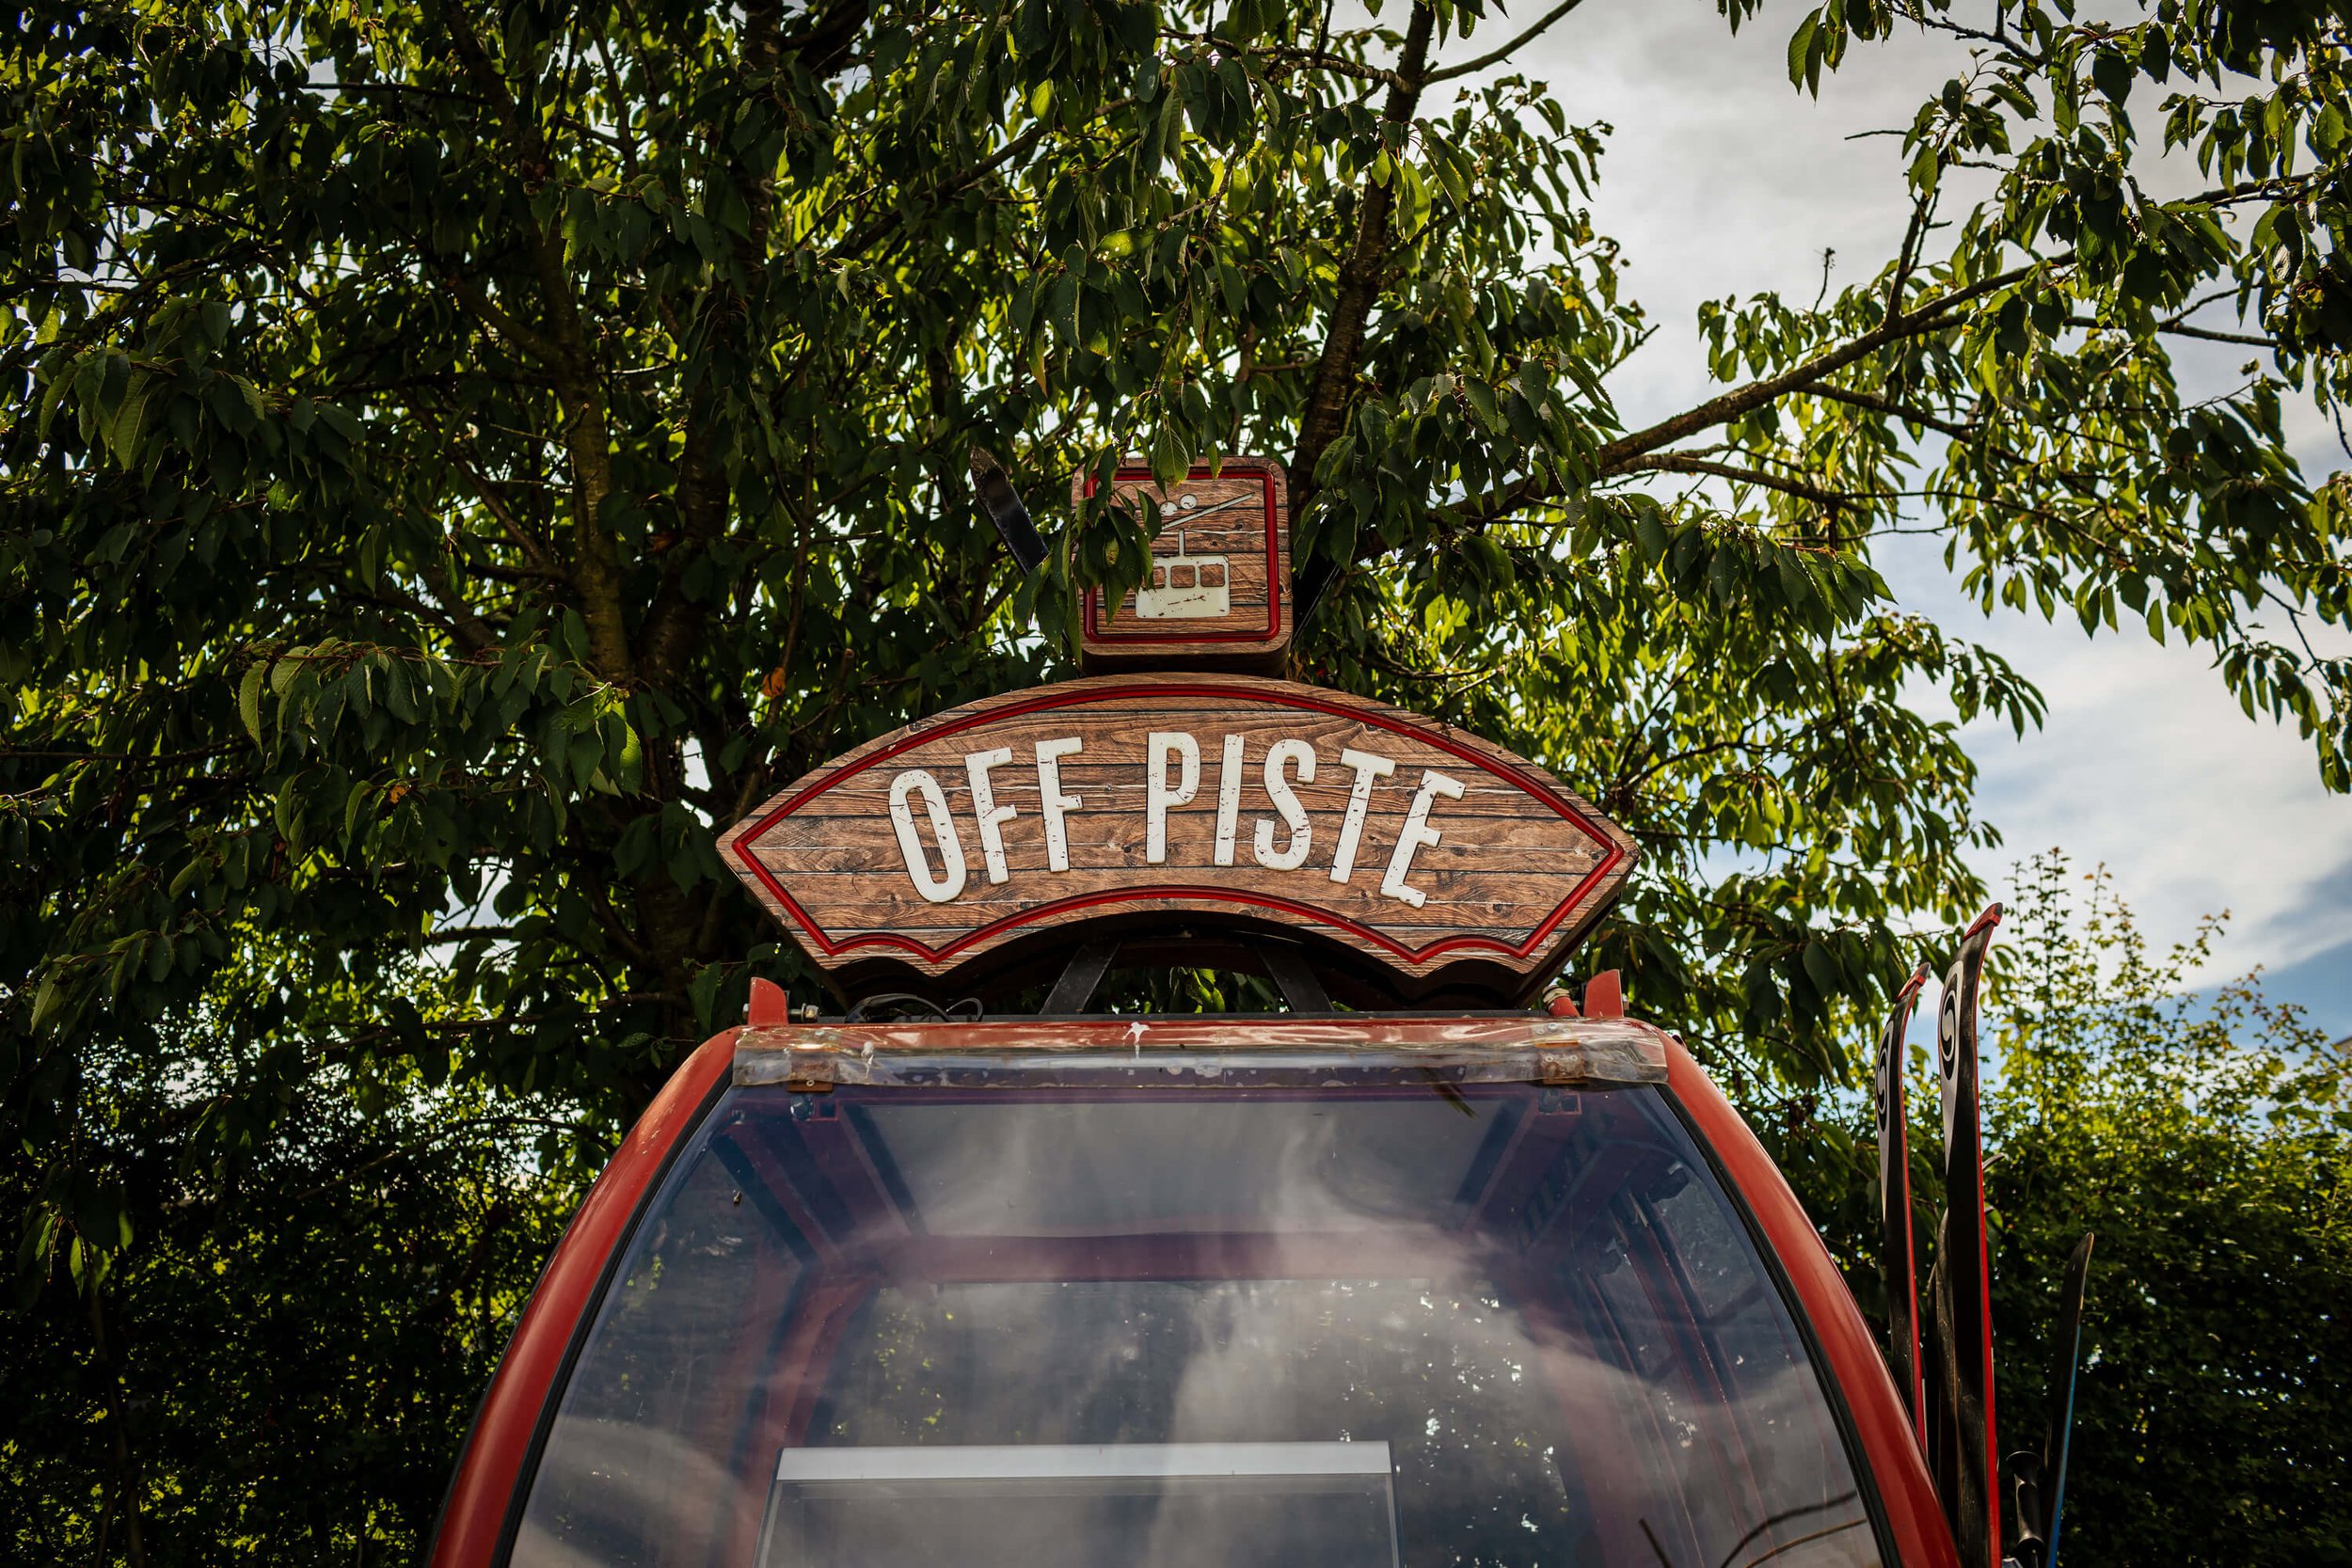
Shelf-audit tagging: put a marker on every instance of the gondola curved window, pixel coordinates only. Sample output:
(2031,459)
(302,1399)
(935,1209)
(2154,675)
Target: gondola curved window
(1012,1325)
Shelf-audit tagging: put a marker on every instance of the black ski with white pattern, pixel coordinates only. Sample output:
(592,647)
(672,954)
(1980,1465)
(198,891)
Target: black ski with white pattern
(1899,1255)
(1968,1472)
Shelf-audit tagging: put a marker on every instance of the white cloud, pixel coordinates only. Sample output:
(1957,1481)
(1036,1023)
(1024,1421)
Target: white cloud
(2146,762)
(1720,179)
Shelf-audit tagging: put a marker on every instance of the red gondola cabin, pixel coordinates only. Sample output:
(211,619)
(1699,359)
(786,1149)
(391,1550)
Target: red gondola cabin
(1443,1278)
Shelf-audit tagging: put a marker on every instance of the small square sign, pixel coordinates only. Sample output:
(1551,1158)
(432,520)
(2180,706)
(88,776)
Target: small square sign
(1218,591)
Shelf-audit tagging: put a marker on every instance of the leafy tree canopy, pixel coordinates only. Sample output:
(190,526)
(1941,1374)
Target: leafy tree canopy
(458,456)
(229,1393)
(2209,1144)
(2206,1140)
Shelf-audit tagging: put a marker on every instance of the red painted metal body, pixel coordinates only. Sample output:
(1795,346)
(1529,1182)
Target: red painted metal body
(495,1467)
(1882,1430)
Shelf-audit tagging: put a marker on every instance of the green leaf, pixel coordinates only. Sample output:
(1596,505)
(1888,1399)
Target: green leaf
(48,1002)
(1649,532)
(1805,54)
(2113,74)
(286,809)
(288,668)
(249,698)
(129,420)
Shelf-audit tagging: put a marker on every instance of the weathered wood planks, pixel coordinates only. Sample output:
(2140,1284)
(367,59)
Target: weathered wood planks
(1346,821)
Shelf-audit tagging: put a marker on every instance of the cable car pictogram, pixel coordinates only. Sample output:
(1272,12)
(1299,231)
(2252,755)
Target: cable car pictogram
(1186,587)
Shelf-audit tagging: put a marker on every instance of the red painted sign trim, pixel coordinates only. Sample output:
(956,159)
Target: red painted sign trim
(1050,699)
(1274,591)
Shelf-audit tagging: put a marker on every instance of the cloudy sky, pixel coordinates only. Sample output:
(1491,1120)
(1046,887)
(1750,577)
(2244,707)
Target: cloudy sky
(1722,179)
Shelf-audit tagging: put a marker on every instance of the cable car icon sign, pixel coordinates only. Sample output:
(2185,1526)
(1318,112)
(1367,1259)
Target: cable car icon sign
(1186,587)
(1216,582)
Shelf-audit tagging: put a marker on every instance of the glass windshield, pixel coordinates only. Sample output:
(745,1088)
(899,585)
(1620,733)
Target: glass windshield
(1403,1324)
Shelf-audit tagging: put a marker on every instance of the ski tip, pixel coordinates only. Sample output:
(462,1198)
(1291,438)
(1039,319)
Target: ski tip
(1911,988)
(1991,917)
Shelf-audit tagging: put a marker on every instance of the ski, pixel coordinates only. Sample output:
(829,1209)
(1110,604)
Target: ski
(1969,1473)
(1899,1257)
(2066,1351)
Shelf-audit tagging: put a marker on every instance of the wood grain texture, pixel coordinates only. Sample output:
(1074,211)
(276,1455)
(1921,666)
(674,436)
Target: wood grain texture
(1508,868)
(1219,587)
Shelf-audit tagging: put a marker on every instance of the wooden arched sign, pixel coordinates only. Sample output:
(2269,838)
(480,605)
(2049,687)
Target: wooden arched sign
(1151,801)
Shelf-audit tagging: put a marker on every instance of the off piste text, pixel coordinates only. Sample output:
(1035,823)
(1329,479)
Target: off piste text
(931,842)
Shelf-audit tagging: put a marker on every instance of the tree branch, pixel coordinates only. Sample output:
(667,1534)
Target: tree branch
(1931,316)
(472,933)
(1621,455)
(128,1481)
(1361,276)
(466,623)
(534,549)
(2175,326)
(862,239)
(1908,257)
(1497,56)
(1878,405)
(1675,463)
(587,434)
(824,37)
(2209,335)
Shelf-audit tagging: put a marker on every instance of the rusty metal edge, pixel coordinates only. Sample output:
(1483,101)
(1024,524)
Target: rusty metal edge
(1562,1052)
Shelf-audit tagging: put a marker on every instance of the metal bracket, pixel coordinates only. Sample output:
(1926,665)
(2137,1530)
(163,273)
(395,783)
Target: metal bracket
(1491,1048)
(1079,979)
(1286,966)
(812,1071)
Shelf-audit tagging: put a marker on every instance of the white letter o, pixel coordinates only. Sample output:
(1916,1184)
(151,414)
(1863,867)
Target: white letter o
(911,838)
